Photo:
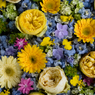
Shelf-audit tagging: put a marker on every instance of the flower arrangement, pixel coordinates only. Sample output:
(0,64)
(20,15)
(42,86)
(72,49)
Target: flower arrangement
(47,47)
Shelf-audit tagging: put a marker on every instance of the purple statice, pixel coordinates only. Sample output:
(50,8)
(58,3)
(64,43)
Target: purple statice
(58,53)
(81,48)
(70,60)
(61,31)
(88,80)
(70,52)
(10,51)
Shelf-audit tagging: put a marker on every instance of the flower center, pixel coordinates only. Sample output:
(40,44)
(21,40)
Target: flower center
(33,59)
(86,31)
(9,71)
(49,5)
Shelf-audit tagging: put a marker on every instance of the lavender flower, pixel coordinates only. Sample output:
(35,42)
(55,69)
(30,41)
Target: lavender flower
(10,51)
(61,31)
(58,53)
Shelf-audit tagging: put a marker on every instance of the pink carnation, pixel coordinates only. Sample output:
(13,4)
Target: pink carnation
(20,43)
(25,85)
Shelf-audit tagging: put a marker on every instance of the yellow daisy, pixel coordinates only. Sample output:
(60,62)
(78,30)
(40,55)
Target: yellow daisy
(52,6)
(31,59)
(85,30)
(10,72)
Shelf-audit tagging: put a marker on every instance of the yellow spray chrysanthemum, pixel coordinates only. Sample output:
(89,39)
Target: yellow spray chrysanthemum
(46,41)
(85,30)
(31,59)
(2,4)
(10,72)
(52,6)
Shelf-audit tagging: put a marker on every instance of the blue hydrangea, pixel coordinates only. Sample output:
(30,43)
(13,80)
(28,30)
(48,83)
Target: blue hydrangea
(16,92)
(70,60)
(50,62)
(24,5)
(51,25)
(11,25)
(85,13)
(70,52)
(81,48)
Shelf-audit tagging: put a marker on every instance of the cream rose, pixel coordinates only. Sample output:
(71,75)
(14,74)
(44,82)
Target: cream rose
(53,81)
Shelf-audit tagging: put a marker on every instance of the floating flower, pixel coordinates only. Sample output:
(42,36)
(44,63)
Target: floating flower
(61,31)
(53,81)
(10,72)
(58,53)
(84,29)
(75,80)
(2,4)
(50,6)
(25,85)
(46,41)
(67,44)
(31,59)
(20,43)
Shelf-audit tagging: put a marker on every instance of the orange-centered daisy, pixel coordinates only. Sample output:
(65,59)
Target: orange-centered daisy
(85,30)
(51,6)
(31,59)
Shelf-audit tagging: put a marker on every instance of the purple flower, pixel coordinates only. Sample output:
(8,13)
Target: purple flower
(70,60)
(58,53)
(88,80)
(10,51)
(61,31)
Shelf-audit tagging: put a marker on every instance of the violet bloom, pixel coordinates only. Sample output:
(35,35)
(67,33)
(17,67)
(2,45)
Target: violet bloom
(10,51)
(58,53)
(61,31)
(88,80)
(20,43)
(26,85)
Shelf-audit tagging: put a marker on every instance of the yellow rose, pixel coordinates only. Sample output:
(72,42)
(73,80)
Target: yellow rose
(32,22)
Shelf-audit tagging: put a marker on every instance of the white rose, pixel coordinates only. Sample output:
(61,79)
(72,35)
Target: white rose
(53,81)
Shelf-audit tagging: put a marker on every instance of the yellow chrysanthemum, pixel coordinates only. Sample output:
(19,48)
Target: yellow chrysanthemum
(31,59)
(10,72)
(2,4)
(52,6)
(85,30)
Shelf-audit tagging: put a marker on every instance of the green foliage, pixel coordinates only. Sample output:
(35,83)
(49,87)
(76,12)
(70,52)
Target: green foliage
(70,71)
(14,36)
(10,12)
(3,26)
